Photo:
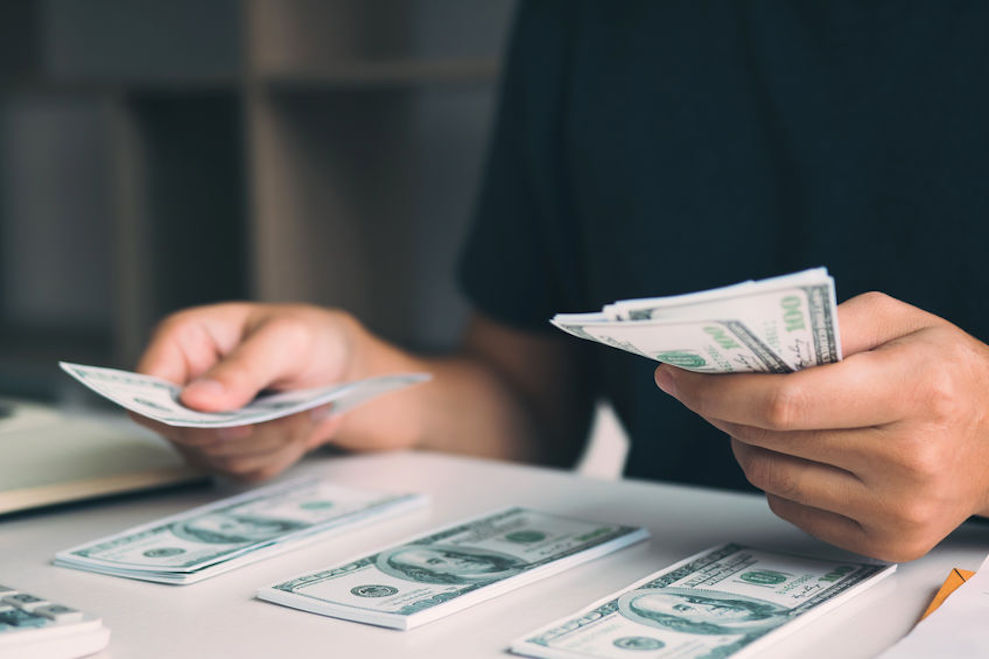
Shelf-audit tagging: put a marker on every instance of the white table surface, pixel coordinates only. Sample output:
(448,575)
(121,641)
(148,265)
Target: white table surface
(220,618)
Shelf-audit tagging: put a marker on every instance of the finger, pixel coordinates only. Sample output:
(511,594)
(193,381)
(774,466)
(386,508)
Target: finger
(853,450)
(265,356)
(164,358)
(200,439)
(195,459)
(325,428)
(803,481)
(261,466)
(869,320)
(188,343)
(195,438)
(241,465)
(262,438)
(831,527)
(254,444)
(853,393)
(277,464)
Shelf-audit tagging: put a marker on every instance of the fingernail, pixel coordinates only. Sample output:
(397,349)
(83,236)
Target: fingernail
(322,413)
(206,387)
(665,381)
(235,432)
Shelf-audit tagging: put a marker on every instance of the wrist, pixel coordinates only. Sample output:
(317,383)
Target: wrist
(394,421)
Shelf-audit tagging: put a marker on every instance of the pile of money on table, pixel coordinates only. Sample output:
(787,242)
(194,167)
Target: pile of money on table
(210,540)
(432,576)
(725,601)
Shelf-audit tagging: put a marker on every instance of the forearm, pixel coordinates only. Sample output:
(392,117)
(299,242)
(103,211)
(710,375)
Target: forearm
(468,407)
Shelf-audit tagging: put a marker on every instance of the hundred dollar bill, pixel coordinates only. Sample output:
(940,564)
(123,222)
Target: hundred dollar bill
(776,325)
(729,601)
(213,539)
(429,577)
(159,399)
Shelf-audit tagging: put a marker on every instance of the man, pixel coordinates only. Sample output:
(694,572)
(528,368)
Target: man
(652,148)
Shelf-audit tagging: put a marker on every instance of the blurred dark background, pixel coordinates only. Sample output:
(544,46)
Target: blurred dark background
(156,155)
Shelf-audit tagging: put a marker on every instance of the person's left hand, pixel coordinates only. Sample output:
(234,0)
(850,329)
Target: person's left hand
(883,453)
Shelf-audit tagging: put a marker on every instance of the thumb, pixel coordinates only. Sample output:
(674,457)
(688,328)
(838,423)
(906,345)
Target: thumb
(869,320)
(264,357)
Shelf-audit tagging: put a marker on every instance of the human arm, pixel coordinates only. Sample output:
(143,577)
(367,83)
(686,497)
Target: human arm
(884,453)
(506,393)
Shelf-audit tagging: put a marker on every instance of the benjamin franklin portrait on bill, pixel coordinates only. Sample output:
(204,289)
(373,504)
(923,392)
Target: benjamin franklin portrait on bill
(224,528)
(701,611)
(448,564)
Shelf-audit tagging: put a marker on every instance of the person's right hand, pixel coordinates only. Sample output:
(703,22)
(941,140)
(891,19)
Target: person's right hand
(225,354)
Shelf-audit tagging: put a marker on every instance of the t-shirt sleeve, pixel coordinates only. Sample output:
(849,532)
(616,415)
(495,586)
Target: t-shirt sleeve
(506,267)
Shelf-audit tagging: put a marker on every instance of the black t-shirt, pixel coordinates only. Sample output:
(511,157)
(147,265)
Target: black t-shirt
(654,148)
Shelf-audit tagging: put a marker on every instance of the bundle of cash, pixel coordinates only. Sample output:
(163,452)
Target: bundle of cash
(209,540)
(776,325)
(159,399)
(729,601)
(429,577)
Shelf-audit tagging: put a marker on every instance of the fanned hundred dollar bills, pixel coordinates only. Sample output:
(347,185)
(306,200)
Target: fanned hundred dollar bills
(776,325)
(728,601)
(159,399)
(209,540)
(432,576)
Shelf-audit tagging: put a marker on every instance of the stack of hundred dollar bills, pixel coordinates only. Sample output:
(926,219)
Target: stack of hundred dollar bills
(209,540)
(432,576)
(728,601)
(776,325)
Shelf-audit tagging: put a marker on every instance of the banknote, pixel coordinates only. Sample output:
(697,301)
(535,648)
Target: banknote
(159,399)
(776,325)
(728,601)
(429,577)
(221,536)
